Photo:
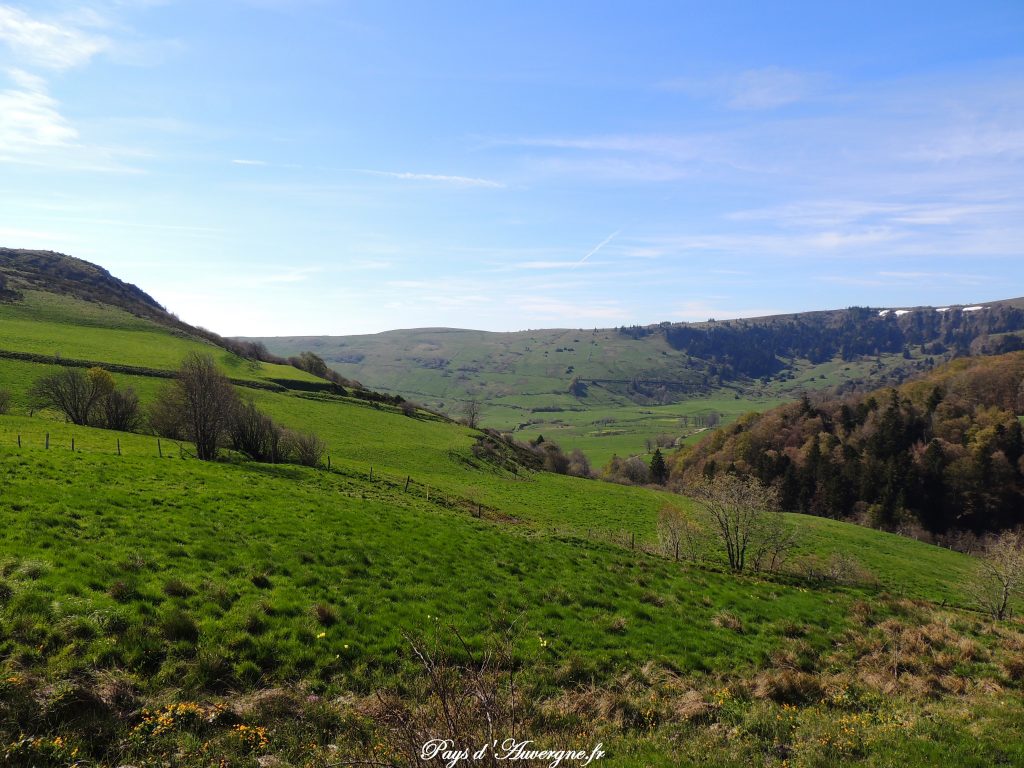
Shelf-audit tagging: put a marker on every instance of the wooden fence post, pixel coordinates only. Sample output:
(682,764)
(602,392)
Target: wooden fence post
(159,449)
(119,446)
(47,441)
(407,478)
(19,440)
(72,445)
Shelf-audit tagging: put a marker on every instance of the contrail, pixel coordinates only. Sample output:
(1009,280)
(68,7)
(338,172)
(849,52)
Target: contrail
(598,247)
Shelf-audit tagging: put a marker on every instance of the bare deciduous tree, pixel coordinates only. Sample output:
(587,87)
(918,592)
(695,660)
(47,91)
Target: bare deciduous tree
(471,412)
(73,392)
(679,536)
(197,407)
(775,542)
(670,531)
(739,509)
(1000,573)
(5,401)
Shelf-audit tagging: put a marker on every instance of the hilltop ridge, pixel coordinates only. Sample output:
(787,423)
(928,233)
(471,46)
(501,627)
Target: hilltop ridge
(59,273)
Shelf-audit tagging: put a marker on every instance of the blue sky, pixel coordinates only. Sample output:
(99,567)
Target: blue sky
(281,167)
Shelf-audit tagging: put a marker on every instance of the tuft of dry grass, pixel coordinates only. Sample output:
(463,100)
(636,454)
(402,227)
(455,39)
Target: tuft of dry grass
(728,620)
(325,615)
(788,686)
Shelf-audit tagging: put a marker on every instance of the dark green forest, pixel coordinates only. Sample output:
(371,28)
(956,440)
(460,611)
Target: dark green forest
(761,347)
(942,453)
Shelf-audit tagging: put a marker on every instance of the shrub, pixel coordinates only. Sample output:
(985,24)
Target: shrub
(120,410)
(5,401)
(631,471)
(1000,574)
(579,466)
(255,434)
(164,416)
(554,460)
(306,448)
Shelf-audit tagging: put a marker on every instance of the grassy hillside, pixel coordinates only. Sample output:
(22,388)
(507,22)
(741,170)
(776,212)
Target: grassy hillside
(65,327)
(176,580)
(155,609)
(609,391)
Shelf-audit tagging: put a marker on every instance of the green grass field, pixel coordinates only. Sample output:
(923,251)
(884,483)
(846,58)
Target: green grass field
(522,380)
(63,326)
(158,610)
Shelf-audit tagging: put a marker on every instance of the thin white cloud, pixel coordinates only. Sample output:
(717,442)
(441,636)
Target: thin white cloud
(249,162)
(50,44)
(972,143)
(768,88)
(764,88)
(547,265)
(843,212)
(832,241)
(33,131)
(460,181)
(30,118)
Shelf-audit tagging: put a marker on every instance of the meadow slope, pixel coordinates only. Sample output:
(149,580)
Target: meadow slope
(156,610)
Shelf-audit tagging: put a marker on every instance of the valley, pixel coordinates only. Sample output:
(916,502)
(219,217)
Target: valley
(154,604)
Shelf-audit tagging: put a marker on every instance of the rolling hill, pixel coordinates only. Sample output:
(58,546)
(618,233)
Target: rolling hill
(158,609)
(617,390)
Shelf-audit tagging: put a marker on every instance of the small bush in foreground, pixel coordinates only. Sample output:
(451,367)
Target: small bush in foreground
(306,448)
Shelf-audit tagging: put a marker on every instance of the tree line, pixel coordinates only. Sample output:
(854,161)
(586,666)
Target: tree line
(199,406)
(756,348)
